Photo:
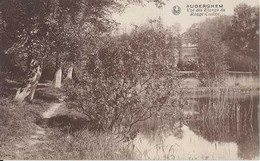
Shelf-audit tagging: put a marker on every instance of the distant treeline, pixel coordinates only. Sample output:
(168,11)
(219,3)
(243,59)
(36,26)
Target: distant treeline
(231,39)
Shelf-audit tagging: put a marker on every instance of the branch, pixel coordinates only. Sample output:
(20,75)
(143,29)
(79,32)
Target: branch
(16,46)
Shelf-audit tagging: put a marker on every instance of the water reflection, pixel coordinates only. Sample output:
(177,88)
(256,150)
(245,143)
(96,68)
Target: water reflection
(187,145)
(212,128)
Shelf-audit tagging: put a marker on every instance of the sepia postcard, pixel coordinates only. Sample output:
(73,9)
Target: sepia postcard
(129,80)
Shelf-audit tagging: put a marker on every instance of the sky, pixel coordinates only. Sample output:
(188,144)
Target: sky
(137,15)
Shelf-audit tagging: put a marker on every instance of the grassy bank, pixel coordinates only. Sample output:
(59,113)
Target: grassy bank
(70,136)
(86,145)
(18,123)
(199,92)
(232,79)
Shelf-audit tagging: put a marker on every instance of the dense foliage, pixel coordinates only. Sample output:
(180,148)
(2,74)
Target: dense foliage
(242,36)
(225,43)
(238,35)
(211,65)
(52,31)
(127,80)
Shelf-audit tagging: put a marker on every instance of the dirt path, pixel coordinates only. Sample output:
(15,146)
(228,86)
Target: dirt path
(51,111)
(38,140)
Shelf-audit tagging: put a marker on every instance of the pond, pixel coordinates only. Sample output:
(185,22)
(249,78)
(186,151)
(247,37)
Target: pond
(222,127)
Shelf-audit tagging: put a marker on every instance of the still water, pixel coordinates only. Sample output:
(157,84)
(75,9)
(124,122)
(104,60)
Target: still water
(210,128)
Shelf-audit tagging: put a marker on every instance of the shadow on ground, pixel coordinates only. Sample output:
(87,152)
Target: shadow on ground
(65,123)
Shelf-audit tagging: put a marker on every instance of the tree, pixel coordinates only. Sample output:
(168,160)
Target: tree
(211,66)
(25,33)
(38,30)
(129,79)
(243,35)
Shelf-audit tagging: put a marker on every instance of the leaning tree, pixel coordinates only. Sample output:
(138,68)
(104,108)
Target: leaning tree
(34,31)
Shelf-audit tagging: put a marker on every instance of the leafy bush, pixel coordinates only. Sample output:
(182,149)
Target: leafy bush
(212,67)
(129,79)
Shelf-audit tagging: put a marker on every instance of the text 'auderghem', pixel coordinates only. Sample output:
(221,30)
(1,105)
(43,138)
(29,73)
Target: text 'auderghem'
(205,6)
(205,9)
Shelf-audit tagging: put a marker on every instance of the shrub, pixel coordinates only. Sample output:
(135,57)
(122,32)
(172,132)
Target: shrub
(128,80)
(211,67)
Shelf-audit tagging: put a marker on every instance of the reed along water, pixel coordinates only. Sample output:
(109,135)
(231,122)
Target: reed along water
(220,125)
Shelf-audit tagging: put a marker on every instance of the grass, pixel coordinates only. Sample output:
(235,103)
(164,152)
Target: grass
(87,145)
(18,122)
(233,79)
(73,137)
(228,117)
(69,140)
(243,79)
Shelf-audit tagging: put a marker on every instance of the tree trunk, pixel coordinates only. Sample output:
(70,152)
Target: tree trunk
(70,71)
(1,81)
(28,91)
(57,78)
